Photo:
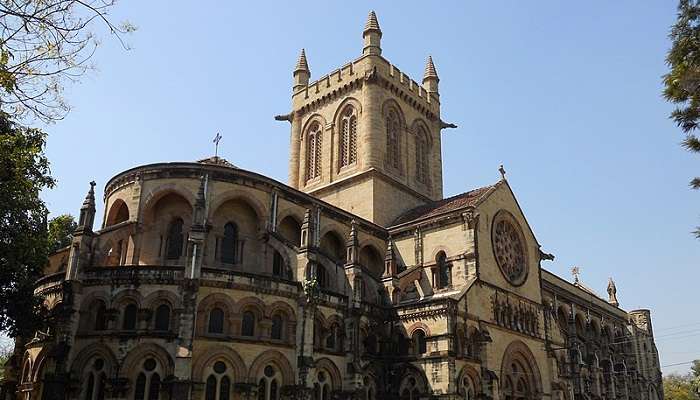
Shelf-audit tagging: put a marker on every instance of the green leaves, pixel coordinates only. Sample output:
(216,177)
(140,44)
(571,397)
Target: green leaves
(24,172)
(682,82)
(60,232)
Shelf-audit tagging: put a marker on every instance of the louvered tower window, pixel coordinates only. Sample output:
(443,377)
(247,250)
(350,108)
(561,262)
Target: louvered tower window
(392,139)
(348,137)
(421,156)
(314,144)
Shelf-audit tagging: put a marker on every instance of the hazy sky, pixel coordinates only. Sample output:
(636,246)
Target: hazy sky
(566,95)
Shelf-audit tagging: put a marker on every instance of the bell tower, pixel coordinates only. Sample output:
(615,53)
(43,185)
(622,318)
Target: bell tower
(366,137)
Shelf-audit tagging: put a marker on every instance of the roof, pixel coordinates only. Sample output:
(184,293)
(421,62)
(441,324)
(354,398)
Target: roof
(217,161)
(460,201)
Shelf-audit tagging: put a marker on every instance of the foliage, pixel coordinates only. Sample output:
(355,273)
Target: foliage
(683,387)
(24,172)
(5,353)
(43,45)
(682,82)
(60,232)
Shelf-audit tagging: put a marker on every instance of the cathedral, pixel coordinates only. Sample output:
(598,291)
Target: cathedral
(357,279)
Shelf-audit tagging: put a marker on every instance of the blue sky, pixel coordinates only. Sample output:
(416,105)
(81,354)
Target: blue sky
(566,95)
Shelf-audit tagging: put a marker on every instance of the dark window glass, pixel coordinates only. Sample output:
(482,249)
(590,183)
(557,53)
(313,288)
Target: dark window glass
(140,389)
(321,276)
(277,324)
(154,388)
(216,320)
(100,317)
(210,391)
(261,389)
(129,321)
(90,387)
(174,241)
(278,266)
(248,325)
(273,390)
(229,243)
(101,387)
(419,342)
(225,388)
(163,317)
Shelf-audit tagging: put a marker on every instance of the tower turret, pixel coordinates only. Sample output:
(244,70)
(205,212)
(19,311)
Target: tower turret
(372,36)
(302,74)
(430,77)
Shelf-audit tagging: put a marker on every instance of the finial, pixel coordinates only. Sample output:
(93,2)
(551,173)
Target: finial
(502,171)
(576,271)
(302,65)
(430,71)
(90,197)
(372,24)
(372,36)
(612,293)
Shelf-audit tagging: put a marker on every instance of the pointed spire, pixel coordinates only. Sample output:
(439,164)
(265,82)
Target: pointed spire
(372,36)
(430,77)
(352,245)
(87,211)
(200,205)
(612,293)
(430,71)
(302,74)
(372,23)
(302,64)
(389,258)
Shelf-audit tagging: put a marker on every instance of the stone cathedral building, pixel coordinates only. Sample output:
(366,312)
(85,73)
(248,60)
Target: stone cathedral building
(357,279)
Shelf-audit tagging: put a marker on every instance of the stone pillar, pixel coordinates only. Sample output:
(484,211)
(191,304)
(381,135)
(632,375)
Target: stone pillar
(294,151)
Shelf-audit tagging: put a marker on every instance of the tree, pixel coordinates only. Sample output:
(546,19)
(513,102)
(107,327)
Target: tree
(43,45)
(60,232)
(682,82)
(24,172)
(5,353)
(683,387)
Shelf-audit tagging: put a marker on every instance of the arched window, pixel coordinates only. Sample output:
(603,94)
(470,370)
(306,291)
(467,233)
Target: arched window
(321,277)
(129,317)
(248,324)
(419,344)
(229,243)
(277,327)
(322,387)
(174,240)
(279,268)
(148,381)
(100,316)
(348,137)
(162,318)
(216,320)
(393,143)
(269,384)
(96,379)
(444,271)
(466,388)
(421,156)
(218,386)
(314,143)
(411,389)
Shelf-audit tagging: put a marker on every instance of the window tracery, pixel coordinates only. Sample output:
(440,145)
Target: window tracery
(148,381)
(95,380)
(269,384)
(218,383)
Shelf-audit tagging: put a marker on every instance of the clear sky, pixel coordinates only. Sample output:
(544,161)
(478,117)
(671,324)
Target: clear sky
(566,95)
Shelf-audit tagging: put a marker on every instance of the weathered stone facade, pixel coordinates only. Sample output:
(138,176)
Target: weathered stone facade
(356,281)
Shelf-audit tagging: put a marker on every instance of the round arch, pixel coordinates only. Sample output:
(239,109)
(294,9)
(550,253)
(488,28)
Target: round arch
(135,357)
(275,358)
(216,353)
(519,372)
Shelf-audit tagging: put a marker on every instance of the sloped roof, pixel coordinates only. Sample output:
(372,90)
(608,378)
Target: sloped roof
(460,201)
